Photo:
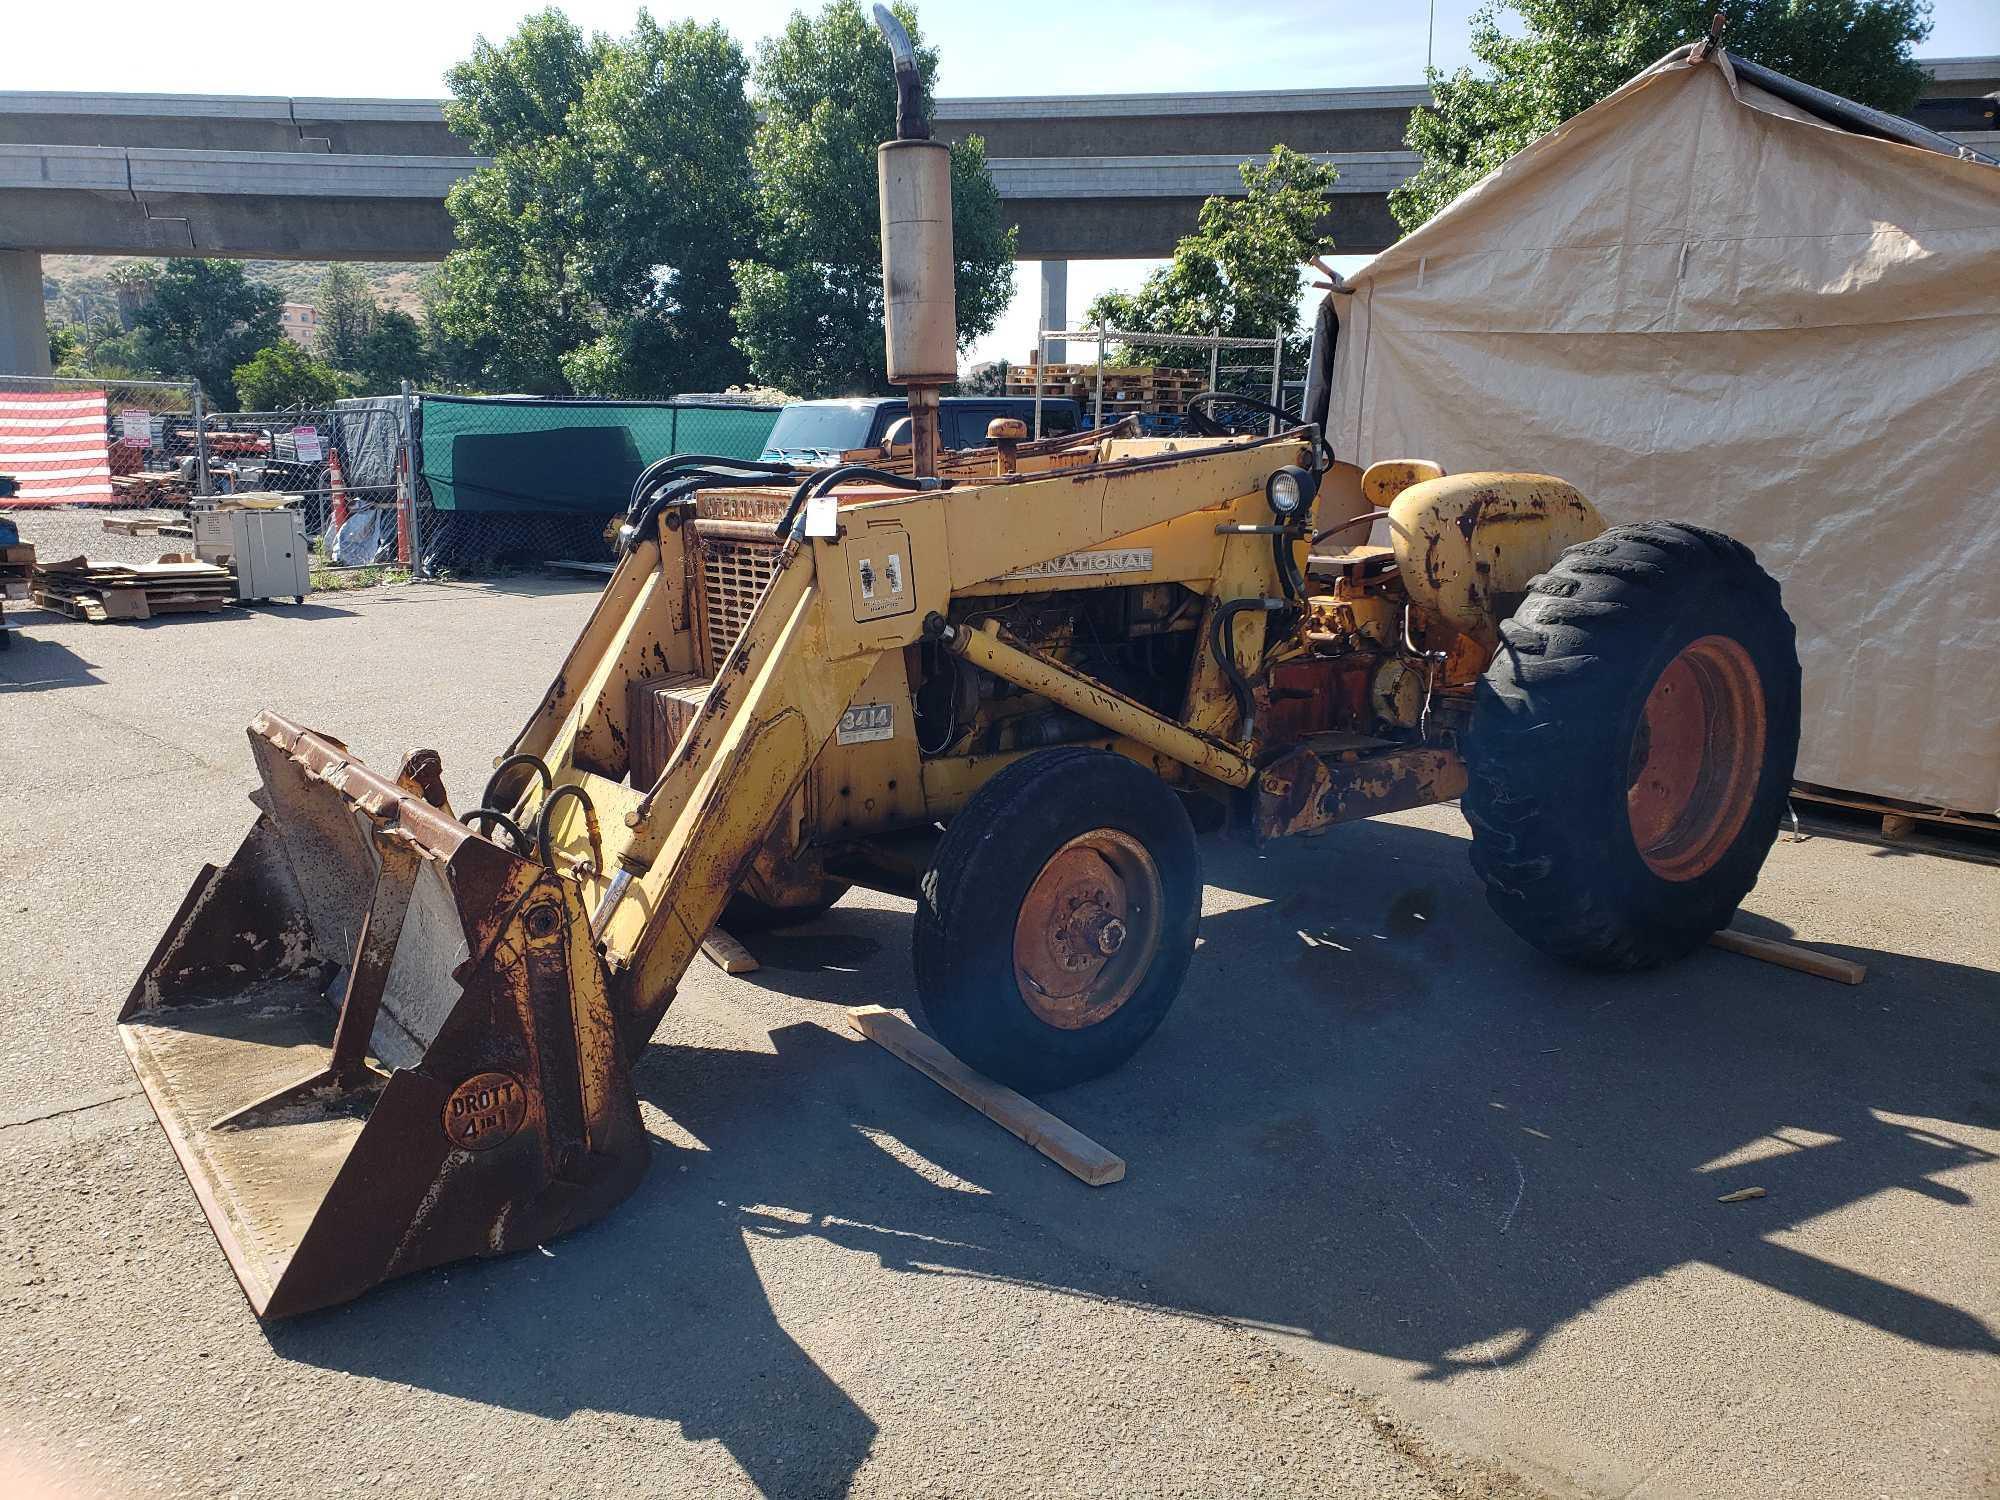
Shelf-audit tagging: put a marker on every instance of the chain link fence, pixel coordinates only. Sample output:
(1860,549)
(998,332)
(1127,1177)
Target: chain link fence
(109,469)
(511,481)
(431,485)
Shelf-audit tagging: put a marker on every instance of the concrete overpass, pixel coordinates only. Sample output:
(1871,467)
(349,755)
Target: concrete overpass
(1085,177)
(1095,177)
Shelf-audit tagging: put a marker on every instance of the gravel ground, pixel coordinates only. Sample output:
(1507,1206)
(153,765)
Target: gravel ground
(1410,1211)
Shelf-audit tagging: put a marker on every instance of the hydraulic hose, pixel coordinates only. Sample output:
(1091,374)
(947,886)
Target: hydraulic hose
(654,472)
(1289,578)
(1223,643)
(677,487)
(821,480)
(542,825)
(480,816)
(515,763)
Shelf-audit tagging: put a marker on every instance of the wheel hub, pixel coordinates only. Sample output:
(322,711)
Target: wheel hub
(1695,759)
(1088,929)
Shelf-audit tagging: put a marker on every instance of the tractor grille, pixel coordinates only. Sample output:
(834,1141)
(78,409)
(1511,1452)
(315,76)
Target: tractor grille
(731,575)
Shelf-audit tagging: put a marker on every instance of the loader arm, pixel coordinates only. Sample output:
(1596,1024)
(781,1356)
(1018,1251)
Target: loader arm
(835,605)
(382,1039)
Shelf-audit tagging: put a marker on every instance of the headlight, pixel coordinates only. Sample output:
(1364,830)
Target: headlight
(1290,490)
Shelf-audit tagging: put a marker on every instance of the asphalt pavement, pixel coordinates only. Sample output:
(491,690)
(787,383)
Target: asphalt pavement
(1410,1210)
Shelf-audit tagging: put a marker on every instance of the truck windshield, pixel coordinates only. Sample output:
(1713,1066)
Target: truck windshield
(816,428)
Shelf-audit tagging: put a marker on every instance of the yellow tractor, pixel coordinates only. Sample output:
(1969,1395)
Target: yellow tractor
(1011,683)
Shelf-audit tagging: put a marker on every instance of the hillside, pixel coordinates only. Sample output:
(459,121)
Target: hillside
(78,287)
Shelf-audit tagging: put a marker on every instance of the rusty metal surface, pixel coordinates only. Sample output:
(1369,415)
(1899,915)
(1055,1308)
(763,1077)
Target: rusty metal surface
(1695,759)
(732,572)
(323,1167)
(1466,545)
(1304,792)
(1088,929)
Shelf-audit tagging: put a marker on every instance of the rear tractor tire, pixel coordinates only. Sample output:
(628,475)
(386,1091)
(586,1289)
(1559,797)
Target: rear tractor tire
(1056,921)
(1632,746)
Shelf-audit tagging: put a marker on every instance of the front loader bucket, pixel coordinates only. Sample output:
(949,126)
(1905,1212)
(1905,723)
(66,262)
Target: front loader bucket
(377,1040)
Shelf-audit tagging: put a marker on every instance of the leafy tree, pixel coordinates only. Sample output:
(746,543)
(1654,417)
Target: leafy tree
(282,375)
(101,347)
(65,345)
(1239,273)
(989,379)
(809,311)
(133,283)
(594,253)
(1556,58)
(394,351)
(204,319)
(347,314)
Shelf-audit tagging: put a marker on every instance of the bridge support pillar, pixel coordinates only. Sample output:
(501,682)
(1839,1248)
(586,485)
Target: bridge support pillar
(1055,308)
(24,328)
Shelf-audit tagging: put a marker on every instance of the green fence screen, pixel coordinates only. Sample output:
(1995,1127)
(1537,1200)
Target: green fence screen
(512,453)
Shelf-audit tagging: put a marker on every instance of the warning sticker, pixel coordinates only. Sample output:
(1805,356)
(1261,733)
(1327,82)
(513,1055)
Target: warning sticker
(866,721)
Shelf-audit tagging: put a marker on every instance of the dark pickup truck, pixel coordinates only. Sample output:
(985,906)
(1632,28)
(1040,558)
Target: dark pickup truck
(820,431)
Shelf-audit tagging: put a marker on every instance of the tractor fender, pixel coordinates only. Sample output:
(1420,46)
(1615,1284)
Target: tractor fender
(1467,544)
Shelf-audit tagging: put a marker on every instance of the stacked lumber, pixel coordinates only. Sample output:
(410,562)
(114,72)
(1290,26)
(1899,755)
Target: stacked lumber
(176,584)
(17,565)
(150,489)
(1128,389)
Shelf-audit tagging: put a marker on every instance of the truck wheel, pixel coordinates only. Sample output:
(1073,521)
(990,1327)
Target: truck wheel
(1056,921)
(1632,744)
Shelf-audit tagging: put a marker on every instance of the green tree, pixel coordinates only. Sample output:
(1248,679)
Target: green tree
(594,253)
(1546,60)
(395,350)
(282,375)
(1240,273)
(809,310)
(66,345)
(347,314)
(203,320)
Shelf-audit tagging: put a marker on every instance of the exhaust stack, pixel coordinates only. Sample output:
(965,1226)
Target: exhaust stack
(920,310)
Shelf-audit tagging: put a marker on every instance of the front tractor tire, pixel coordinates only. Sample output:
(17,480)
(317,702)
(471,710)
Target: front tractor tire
(1056,921)
(1632,745)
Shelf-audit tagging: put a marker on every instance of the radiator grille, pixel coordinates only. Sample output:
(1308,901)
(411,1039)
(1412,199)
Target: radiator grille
(733,575)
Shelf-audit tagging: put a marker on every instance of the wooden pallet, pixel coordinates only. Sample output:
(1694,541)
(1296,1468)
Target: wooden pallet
(151,489)
(95,591)
(1899,819)
(121,526)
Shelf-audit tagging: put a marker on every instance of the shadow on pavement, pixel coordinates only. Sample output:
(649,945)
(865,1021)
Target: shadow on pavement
(32,663)
(1410,1136)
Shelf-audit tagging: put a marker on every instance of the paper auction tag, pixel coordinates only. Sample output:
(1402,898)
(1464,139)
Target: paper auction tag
(823,516)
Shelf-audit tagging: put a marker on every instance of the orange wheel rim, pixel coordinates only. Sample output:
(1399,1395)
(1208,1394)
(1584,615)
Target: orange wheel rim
(1088,929)
(1696,757)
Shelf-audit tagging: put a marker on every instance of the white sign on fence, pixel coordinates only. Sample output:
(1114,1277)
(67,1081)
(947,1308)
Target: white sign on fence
(308,442)
(135,425)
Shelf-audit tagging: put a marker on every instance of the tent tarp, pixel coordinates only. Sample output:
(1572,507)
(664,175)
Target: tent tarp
(1696,302)
(515,454)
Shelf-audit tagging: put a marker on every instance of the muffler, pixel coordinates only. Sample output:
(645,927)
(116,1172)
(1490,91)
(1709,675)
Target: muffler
(377,1040)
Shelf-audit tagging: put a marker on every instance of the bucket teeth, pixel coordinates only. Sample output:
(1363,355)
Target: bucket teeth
(378,1041)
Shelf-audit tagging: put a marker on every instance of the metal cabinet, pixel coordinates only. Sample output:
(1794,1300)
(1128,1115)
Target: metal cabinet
(266,549)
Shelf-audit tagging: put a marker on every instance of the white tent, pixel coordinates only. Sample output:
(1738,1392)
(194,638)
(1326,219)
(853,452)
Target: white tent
(1699,301)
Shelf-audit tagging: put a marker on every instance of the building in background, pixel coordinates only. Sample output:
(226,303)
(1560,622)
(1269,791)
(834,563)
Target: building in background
(300,322)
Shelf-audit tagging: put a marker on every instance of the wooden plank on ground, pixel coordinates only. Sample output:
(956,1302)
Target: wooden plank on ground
(728,955)
(1062,1143)
(1789,956)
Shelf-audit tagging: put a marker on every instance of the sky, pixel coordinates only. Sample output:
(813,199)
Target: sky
(400,49)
